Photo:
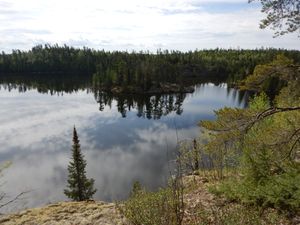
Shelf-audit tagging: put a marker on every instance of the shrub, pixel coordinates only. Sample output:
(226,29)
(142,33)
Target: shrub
(163,207)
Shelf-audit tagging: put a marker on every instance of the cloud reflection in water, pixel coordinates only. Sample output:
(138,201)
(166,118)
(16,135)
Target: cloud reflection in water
(36,135)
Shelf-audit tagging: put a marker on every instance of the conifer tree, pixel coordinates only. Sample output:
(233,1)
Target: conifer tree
(79,187)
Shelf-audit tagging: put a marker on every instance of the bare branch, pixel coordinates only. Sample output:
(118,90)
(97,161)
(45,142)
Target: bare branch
(14,199)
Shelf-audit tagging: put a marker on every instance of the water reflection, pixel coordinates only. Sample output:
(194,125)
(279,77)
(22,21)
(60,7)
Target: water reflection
(147,106)
(120,147)
(54,84)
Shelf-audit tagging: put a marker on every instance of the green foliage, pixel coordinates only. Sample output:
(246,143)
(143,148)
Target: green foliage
(236,214)
(279,191)
(282,15)
(270,174)
(156,208)
(150,208)
(224,138)
(80,188)
(141,69)
(268,138)
(146,70)
(281,67)
(259,102)
(136,189)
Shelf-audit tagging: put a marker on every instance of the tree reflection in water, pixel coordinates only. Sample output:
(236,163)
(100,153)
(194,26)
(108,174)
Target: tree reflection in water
(147,106)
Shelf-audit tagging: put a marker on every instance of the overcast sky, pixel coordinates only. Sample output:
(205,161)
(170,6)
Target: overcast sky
(136,24)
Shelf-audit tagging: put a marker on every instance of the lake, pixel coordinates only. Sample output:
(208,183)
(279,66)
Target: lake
(123,138)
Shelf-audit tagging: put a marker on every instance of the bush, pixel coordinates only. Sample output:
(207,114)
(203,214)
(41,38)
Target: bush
(237,214)
(163,207)
(279,191)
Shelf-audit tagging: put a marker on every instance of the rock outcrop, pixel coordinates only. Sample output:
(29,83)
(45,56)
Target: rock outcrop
(67,213)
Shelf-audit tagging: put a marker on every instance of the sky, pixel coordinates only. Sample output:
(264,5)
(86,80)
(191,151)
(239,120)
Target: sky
(137,25)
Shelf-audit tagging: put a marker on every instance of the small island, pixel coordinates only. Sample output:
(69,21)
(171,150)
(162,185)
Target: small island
(161,88)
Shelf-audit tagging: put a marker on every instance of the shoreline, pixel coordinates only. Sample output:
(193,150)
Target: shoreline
(165,88)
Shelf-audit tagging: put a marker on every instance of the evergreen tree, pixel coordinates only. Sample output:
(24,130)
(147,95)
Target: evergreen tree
(79,187)
(266,138)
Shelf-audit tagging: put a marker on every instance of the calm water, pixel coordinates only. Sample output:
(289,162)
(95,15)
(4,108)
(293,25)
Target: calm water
(123,138)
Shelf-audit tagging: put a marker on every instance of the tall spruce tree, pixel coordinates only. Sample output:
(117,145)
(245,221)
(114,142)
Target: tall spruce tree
(79,187)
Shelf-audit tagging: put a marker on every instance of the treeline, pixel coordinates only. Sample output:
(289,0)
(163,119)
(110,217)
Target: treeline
(50,59)
(142,69)
(147,70)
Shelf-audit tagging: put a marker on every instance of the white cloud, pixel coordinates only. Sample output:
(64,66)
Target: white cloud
(135,24)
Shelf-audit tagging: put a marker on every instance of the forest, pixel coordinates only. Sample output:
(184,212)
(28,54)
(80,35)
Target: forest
(143,70)
(244,165)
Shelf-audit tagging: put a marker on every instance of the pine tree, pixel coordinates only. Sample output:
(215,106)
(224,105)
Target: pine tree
(79,187)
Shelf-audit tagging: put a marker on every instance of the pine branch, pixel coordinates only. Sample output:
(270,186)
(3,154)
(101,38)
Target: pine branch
(268,112)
